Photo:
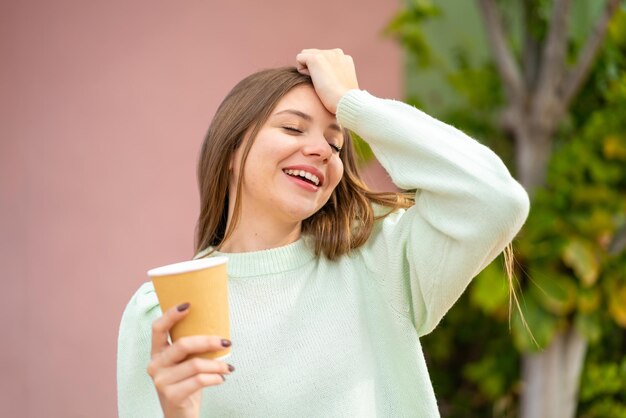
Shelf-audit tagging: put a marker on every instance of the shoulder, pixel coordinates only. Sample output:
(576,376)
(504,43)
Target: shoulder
(145,296)
(143,305)
(385,218)
(385,229)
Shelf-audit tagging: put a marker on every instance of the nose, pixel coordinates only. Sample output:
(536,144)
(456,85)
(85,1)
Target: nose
(317,146)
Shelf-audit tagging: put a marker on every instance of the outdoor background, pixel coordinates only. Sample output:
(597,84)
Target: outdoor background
(103,108)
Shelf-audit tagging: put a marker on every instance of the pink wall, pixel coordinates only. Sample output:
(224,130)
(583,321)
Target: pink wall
(103,107)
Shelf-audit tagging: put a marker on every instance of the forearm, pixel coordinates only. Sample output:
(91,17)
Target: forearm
(462,178)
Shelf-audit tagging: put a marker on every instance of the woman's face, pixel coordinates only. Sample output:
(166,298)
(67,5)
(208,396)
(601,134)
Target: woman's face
(293,165)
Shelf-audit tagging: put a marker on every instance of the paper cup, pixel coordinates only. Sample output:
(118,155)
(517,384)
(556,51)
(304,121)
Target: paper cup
(204,284)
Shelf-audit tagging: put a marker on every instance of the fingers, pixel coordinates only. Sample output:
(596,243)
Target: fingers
(187,346)
(190,369)
(178,393)
(161,327)
(302,69)
(332,72)
(164,355)
(179,385)
(307,56)
(177,376)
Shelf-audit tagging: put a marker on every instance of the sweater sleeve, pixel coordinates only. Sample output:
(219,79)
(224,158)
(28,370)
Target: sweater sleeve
(467,206)
(136,395)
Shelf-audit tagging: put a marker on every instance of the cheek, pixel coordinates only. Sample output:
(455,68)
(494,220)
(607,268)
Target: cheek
(335,173)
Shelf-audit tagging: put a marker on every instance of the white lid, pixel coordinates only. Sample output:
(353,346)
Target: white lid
(186,266)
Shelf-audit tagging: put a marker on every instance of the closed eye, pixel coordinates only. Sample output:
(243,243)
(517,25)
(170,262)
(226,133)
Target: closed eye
(292,129)
(335,148)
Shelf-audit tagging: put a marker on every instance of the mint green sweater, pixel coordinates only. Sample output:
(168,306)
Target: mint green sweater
(319,338)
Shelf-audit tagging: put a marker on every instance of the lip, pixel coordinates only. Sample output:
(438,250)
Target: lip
(309,169)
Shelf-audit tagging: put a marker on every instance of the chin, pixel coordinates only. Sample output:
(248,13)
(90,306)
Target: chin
(302,213)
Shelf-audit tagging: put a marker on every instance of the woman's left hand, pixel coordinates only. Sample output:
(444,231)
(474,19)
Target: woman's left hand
(332,72)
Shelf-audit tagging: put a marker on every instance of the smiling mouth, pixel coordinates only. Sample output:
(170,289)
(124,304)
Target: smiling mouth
(304,175)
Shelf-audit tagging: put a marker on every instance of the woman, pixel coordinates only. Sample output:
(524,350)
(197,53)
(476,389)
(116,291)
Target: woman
(331,286)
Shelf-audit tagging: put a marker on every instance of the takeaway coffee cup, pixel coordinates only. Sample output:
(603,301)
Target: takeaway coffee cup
(204,284)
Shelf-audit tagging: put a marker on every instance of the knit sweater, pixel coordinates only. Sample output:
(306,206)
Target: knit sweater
(319,338)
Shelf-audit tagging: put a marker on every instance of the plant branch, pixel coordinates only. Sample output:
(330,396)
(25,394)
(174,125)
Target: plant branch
(531,49)
(552,68)
(577,76)
(505,62)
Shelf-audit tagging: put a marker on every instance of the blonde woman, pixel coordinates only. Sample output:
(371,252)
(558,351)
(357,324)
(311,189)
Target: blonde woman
(331,285)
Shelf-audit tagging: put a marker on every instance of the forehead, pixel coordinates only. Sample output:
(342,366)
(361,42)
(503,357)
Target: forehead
(304,99)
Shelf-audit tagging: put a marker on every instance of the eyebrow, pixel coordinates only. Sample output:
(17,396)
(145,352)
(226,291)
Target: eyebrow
(308,118)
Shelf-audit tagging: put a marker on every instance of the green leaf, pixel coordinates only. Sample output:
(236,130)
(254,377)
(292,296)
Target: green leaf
(580,257)
(407,28)
(555,293)
(601,379)
(489,290)
(485,373)
(614,148)
(588,300)
(364,153)
(589,326)
(617,305)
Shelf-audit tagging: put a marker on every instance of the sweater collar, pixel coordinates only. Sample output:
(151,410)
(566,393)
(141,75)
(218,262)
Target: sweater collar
(270,261)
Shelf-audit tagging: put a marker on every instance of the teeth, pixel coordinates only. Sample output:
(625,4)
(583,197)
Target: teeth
(306,175)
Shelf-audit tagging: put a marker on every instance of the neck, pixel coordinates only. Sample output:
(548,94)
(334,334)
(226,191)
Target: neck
(254,234)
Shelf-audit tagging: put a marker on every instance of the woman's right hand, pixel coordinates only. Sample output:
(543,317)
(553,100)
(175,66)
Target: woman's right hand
(178,379)
(332,72)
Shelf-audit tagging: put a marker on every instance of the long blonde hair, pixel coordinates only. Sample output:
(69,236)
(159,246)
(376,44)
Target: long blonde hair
(345,222)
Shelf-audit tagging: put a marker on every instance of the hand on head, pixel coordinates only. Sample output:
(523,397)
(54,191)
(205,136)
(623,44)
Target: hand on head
(332,72)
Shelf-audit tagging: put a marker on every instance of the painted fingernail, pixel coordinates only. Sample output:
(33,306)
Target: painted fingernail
(231,368)
(183,307)
(223,378)
(226,343)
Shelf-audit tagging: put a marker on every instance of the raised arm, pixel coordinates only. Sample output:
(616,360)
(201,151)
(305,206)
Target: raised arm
(467,206)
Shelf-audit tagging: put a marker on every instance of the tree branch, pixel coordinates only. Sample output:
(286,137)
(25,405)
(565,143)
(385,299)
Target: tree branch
(505,62)
(552,69)
(577,76)
(531,49)
(618,244)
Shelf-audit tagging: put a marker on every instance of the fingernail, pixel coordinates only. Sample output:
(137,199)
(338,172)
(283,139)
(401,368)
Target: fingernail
(223,378)
(226,343)
(231,368)
(182,307)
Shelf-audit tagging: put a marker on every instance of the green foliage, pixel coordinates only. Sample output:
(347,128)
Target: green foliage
(489,292)
(363,151)
(571,255)
(543,325)
(469,379)
(603,385)
(580,213)
(406,27)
